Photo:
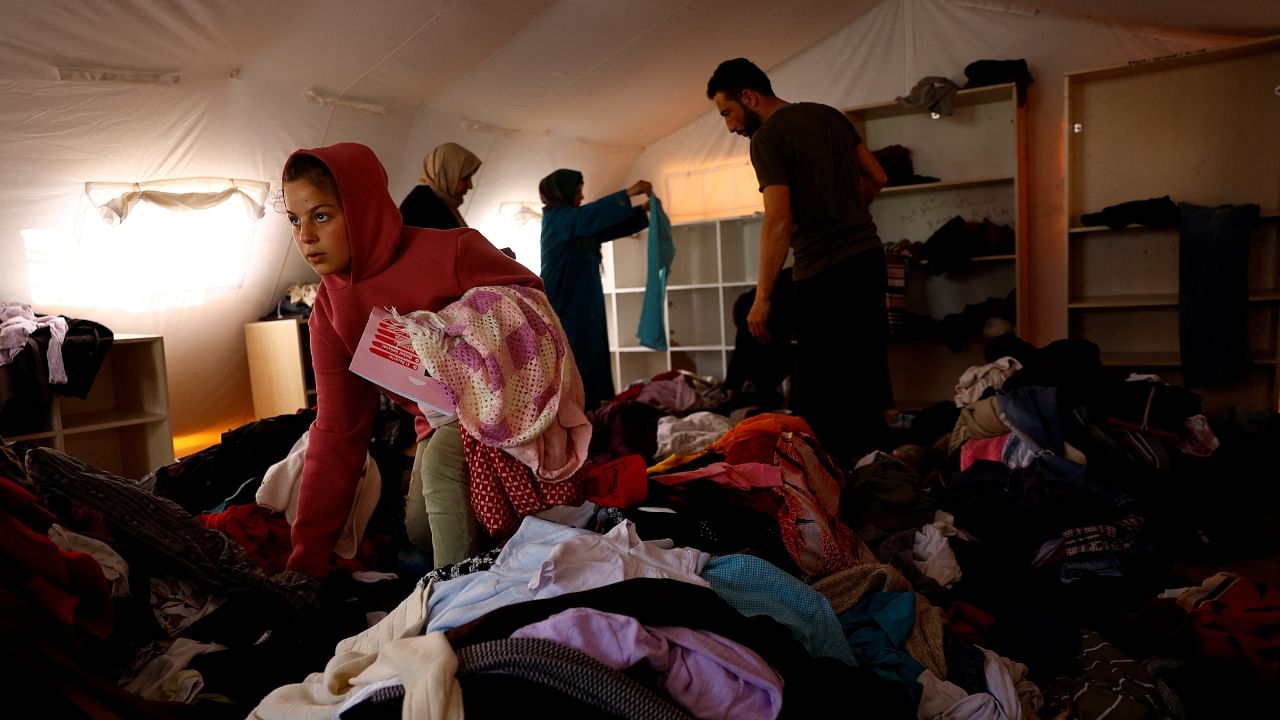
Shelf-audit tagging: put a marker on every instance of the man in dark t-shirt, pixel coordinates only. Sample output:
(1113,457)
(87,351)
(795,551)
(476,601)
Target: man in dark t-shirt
(817,178)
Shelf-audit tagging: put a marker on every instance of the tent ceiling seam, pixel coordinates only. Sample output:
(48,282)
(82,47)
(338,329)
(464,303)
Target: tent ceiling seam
(426,23)
(634,39)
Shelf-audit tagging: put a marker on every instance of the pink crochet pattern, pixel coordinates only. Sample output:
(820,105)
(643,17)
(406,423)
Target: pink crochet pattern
(502,352)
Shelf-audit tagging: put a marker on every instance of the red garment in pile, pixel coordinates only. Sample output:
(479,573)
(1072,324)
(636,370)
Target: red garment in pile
(504,490)
(264,534)
(1239,621)
(37,574)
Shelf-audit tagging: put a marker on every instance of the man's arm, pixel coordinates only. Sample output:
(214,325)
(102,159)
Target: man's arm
(775,240)
(873,176)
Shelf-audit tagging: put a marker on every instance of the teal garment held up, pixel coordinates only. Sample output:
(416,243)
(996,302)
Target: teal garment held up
(652,331)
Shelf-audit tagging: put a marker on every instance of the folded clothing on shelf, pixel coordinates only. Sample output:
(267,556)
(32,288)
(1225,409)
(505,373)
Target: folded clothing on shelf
(897,165)
(1152,212)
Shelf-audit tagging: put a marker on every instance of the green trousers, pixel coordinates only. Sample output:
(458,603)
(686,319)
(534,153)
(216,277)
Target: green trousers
(437,510)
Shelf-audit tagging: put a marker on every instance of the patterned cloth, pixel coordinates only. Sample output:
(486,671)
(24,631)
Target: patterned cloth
(1109,537)
(809,518)
(165,535)
(503,354)
(569,671)
(503,490)
(483,561)
(895,295)
(1113,686)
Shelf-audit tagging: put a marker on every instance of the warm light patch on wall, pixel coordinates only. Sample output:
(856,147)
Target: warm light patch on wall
(712,192)
(157,258)
(518,226)
(194,442)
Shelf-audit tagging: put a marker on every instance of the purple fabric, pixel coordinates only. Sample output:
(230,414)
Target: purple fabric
(673,395)
(17,322)
(547,396)
(468,356)
(495,434)
(482,301)
(704,673)
(535,322)
(493,366)
(522,346)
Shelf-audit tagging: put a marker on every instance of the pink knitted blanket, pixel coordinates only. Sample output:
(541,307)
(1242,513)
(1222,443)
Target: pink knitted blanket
(503,353)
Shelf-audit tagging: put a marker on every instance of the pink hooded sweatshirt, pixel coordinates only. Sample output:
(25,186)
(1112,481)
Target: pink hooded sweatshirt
(392,266)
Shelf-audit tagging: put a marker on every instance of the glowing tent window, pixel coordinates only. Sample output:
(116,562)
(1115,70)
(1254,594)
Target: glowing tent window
(152,246)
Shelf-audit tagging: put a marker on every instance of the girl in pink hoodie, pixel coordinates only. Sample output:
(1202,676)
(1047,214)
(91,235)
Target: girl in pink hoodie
(350,231)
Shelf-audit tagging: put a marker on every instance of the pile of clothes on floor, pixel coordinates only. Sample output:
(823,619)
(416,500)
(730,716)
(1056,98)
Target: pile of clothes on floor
(1012,555)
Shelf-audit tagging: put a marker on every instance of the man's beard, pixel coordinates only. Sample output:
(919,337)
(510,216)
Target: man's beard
(750,121)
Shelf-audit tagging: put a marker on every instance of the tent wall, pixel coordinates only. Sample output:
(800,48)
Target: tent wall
(58,135)
(243,122)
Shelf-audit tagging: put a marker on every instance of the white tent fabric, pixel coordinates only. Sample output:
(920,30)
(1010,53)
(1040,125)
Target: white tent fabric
(193,88)
(115,201)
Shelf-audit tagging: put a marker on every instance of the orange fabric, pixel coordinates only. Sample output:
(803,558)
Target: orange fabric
(754,439)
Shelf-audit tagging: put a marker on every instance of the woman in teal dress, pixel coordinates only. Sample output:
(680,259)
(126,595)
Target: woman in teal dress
(571,237)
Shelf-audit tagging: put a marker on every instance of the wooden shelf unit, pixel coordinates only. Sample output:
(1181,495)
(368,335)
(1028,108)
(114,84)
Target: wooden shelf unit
(1200,128)
(979,154)
(122,427)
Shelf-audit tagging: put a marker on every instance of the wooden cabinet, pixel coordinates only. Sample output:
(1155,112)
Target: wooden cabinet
(978,153)
(280,373)
(1203,129)
(123,425)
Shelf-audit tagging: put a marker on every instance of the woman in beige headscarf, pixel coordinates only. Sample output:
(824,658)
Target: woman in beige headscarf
(446,178)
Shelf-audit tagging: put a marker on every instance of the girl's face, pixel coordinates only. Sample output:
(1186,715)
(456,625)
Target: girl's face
(577,199)
(318,226)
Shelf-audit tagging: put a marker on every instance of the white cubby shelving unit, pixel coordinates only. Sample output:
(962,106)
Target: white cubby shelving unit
(715,262)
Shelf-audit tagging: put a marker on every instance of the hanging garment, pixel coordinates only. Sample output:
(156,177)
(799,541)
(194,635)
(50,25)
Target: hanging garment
(652,331)
(1213,293)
